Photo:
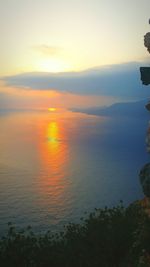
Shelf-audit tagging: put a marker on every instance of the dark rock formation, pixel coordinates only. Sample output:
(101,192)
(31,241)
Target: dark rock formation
(145,171)
(145,71)
(147,106)
(145,179)
(145,75)
(148,140)
(147,41)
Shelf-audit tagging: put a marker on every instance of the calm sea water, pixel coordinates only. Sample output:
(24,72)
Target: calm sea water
(56,166)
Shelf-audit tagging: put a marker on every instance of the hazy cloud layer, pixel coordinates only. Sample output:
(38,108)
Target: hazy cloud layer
(47,50)
(117,80)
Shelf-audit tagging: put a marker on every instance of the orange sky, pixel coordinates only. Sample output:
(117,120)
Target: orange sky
(19,98)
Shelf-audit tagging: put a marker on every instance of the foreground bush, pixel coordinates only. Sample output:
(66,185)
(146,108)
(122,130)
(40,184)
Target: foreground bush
(116,237)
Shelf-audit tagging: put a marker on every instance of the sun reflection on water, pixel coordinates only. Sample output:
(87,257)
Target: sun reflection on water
(53,134)
(54,158)
(56,147)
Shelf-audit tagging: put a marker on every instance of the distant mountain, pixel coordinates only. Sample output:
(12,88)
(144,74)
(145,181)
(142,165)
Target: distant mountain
(132,109)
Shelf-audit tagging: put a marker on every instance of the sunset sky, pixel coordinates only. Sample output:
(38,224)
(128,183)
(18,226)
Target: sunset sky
(67,36)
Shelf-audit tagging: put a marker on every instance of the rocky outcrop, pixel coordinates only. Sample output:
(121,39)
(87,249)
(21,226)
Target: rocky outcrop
(145,179)
(145,75)
(147,41)
(145,171)
(145,71)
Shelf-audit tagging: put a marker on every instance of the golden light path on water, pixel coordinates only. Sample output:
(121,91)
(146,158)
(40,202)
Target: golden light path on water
(56,187)
(53,151)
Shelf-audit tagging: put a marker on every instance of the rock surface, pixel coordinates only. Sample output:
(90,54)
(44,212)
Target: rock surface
(145,179)
(147,41)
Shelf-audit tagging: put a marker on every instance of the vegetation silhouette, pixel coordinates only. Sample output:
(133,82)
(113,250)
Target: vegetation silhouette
(109,237)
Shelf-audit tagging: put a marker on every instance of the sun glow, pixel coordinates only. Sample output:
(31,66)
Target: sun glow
(53,65)
(52,109)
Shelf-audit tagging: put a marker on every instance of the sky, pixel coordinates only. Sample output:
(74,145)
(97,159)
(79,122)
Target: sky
(55,36)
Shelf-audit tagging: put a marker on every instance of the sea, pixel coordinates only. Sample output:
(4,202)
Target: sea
(56,167)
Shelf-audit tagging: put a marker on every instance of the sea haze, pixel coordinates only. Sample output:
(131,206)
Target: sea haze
(56,166)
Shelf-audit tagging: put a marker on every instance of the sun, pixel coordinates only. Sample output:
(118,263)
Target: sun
(53,65)
(52,109)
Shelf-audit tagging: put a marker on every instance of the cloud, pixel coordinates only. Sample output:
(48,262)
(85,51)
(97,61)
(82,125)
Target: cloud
(47,50)
(121,80)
